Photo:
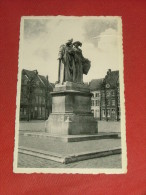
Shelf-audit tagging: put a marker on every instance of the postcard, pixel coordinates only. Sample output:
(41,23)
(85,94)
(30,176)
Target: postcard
(70,115)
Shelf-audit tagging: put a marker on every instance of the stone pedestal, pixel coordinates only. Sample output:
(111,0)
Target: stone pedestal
(71,111)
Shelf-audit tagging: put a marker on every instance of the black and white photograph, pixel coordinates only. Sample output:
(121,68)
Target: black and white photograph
(70,114)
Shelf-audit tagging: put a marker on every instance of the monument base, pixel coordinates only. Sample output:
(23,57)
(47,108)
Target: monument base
(71,138)
(71,124)
(69,148)
(71,111)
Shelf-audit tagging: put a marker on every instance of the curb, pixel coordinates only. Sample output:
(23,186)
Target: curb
(70,158)
(73,138)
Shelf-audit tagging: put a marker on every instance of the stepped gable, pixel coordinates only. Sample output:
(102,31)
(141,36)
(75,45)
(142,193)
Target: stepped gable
(112,78)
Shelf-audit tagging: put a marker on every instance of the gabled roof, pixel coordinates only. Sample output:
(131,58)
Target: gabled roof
(95,84)
(52,85)
(112,78)
(29,73)
(34,73)
(43,79)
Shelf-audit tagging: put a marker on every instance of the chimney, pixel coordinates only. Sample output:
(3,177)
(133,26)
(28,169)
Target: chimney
(109,71)
(47,78)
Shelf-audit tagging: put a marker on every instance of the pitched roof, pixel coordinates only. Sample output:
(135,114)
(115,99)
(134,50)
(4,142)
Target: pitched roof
(29,73)
(112,78)
(34,73)
(52,85)
(95,84)
(43,79)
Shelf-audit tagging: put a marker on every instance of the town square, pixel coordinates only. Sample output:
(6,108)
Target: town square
(70,120)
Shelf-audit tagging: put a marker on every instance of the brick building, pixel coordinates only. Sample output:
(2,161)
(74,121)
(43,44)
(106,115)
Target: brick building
(110,96)
(105,102)
(95,88)
(35,101)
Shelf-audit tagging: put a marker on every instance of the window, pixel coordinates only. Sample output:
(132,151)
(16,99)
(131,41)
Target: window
(103,113)
(112,93)
(97,102)
(43,100)
(92,102)
(40,99)
(37,99)
(43,111)
(97,95)
(25,111)
(95,114)
(108,102)
(108,113)
(113,111)
(39,111)
(107,93)
(113,102)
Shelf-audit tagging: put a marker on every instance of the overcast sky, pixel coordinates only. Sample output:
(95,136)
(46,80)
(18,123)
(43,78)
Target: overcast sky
(42,38)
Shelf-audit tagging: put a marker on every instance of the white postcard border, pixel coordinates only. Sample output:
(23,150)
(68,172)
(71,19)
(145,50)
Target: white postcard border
(122,102)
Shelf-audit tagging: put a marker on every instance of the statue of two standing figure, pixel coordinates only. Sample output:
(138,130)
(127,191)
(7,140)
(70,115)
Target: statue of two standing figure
(72,64)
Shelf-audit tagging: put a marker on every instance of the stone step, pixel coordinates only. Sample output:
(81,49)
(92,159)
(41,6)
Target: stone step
(69,158)
(73,138)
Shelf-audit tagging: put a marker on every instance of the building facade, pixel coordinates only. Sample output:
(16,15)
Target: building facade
(35,101)
(105,102)
(95,88)
(110,97)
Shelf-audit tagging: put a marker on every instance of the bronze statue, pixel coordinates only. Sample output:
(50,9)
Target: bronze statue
(66,63)
(72,64)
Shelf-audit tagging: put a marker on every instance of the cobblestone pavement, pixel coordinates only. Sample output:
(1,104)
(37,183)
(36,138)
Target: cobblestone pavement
(27,161)
(46,144)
